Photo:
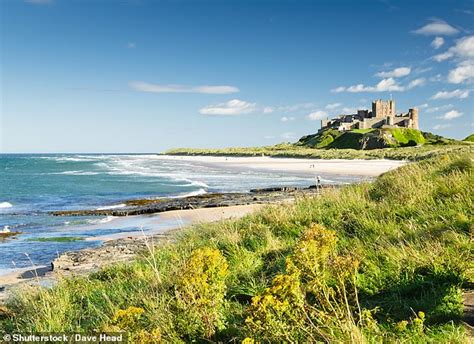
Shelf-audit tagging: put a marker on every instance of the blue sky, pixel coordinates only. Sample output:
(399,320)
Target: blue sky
(144,76)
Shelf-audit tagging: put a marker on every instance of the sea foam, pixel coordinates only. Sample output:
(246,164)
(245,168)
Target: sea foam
(5,205)
(76,173)
(100,221)
(193,193)
(116,206)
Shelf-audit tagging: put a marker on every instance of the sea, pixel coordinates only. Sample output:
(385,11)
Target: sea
(31,186)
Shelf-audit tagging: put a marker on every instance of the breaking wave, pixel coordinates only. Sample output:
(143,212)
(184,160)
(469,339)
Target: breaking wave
(193,193)
(77,173)
(116,206)
(100,221)
(69,158)
(5,205)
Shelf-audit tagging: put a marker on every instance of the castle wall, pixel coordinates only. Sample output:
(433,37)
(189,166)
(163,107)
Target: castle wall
(368,123)
(383,114)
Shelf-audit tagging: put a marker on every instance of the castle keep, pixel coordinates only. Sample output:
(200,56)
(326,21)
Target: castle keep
(383,115)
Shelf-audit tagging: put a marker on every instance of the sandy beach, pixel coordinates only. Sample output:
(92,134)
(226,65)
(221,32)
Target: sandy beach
(182,219)
(166,222)
(108,254)
(301,167)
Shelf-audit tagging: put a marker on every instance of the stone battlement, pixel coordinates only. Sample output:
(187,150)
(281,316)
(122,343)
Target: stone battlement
(383,114)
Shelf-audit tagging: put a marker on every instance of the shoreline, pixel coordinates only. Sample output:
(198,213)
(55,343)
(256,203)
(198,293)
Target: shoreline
(124,246)
(117,248)
(303,167)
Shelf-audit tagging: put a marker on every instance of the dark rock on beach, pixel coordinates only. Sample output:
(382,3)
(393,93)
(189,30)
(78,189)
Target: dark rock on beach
(150,206)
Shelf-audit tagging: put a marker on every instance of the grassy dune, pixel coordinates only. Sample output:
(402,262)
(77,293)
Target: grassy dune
(294,151)
(372,262)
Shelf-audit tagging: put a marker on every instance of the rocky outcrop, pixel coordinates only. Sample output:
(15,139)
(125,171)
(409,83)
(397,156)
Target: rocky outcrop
(113,251)
(150,206)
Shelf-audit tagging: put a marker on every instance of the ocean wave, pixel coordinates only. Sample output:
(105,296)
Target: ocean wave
(5,205)
(132,168)
(192,183)
(68,158)
(101,221)
(76,173)
(192,193)
(116,206)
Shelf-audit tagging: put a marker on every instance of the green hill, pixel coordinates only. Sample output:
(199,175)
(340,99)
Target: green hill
(365,138)
(470,138)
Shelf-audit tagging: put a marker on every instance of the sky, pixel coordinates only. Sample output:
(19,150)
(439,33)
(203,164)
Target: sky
(145,76)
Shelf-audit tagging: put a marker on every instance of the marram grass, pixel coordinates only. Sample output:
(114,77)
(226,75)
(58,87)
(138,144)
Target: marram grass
(369,263)
(287,150)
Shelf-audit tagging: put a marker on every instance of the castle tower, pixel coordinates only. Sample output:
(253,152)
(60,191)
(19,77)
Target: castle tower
(324,123)
(413,115)
(383,108)
(389,120)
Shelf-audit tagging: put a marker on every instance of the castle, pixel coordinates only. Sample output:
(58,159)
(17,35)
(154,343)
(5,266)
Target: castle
(383,115)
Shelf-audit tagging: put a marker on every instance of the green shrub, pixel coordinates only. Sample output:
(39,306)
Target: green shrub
(199,290)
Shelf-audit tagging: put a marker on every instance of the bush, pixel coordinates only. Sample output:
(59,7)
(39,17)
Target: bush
(310,295)
(200,289)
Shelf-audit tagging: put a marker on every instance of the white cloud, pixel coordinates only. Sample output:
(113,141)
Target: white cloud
(233,107)
(333,106)
(287,119)
(131,45)
(338,89)
(461,94)
(463,73)
(317,115)
(437,42)
(441,126)
(39,2)
(443,56)
(295,107)
(451,115)
(437,28)
(463,49)
(422,70)
(416,83)
(396,73)
(359,88)
(422,106)
(436,78)
(385,85)
(155,88)
(268,109)
(463,53)
(439,108)
(388,85)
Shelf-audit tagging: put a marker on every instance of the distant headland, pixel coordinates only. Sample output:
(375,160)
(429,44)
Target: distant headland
(379,133)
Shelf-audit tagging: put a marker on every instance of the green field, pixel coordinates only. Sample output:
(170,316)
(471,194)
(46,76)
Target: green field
(373,262)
